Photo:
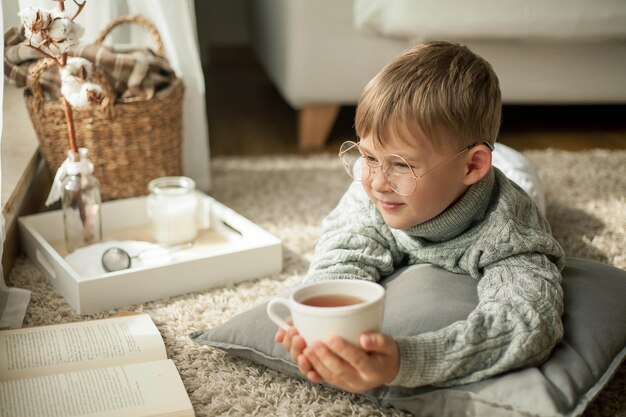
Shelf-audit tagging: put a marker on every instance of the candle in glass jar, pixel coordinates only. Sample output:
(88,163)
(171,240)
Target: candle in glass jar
(172,210)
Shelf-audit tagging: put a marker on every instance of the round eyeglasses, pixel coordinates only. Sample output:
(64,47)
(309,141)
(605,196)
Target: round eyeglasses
(396,170)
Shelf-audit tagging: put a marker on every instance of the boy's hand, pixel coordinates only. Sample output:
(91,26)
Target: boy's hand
(352,368)
(291,340)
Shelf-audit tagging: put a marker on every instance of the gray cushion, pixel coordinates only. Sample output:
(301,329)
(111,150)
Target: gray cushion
(422,298)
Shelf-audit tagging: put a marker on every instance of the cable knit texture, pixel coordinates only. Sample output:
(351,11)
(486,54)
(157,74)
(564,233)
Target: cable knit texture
(495,234)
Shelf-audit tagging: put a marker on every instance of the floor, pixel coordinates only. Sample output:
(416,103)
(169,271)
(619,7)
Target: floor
(247,116)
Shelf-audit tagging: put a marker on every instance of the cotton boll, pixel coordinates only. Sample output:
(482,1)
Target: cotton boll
(35,39)
(34,19)
(76,67)
(71,91)
(77,100)
(69,81)
(68,78)
(28,16)
(79,93)
(82,95)
(53,32)
(76,32)
(64,34)
(60,29)
(94,93)
(35,22)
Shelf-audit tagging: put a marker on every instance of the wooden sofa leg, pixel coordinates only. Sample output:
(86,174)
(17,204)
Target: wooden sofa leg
(315,124)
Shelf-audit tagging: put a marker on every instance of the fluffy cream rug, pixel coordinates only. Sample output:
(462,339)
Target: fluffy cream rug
(586,203)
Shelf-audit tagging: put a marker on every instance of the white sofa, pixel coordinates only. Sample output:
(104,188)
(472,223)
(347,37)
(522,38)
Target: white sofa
(319,60)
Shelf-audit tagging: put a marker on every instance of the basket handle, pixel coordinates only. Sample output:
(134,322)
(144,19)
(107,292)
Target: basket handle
(44,64)
(141,21)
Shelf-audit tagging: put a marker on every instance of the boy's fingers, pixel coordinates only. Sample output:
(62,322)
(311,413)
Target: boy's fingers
(317,364)
(348,352)
(377,342)
(297,346)
(287,342)
(280,336)
(298,342)
(288,339)
(303,364)
(314,377)
(291,332)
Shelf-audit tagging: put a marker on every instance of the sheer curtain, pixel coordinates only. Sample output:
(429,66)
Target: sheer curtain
(176,23)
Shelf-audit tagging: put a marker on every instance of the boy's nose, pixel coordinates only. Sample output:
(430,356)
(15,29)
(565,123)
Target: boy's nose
(379,182)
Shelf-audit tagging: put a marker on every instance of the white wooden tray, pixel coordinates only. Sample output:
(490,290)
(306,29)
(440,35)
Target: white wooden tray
(232,250)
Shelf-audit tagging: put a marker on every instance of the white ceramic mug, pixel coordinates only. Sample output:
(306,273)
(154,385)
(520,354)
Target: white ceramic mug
(319,323)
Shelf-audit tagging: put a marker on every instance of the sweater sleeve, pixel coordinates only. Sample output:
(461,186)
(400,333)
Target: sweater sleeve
(355,242)
(516,323)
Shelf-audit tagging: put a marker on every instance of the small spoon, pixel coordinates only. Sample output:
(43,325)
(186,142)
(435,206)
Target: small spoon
(117,259)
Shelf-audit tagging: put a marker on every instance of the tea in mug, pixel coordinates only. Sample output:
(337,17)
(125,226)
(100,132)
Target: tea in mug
(331,300)
(342,307)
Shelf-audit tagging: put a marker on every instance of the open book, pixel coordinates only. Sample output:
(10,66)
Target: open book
(113,367)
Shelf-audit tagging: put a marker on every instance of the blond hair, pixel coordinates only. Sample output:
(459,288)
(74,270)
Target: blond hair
(450,92)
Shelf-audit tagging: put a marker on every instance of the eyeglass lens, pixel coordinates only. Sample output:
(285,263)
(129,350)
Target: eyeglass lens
(396,170)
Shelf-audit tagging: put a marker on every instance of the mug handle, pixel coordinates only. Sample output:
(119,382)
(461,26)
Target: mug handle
(273,303)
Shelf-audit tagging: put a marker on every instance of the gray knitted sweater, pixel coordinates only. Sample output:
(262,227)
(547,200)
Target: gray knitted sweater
(495,234)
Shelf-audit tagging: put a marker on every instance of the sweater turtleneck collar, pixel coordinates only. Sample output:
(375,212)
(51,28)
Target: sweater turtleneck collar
(460,215)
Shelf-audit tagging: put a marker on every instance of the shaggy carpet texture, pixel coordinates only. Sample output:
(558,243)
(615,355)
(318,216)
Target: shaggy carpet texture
(289,196)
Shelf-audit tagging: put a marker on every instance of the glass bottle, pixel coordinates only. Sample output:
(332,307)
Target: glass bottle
(81,203)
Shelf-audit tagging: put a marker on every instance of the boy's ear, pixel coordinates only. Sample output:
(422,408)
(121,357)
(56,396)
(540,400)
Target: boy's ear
(478,164)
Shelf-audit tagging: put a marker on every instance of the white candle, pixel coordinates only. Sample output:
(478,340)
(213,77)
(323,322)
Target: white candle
(172,210)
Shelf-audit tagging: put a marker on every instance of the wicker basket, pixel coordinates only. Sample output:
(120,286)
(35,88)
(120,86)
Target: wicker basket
(129,143)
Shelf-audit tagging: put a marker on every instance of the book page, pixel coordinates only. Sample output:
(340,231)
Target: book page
(136,390)
(68,347)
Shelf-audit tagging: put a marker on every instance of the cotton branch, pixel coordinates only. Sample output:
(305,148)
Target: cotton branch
(47,55)
(80,8)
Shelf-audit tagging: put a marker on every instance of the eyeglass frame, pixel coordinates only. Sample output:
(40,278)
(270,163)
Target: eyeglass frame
(415,177)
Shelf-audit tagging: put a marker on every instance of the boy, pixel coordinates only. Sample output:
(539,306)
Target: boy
(425,192)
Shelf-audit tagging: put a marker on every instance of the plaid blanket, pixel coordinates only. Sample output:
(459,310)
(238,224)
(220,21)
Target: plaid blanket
(134,73)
